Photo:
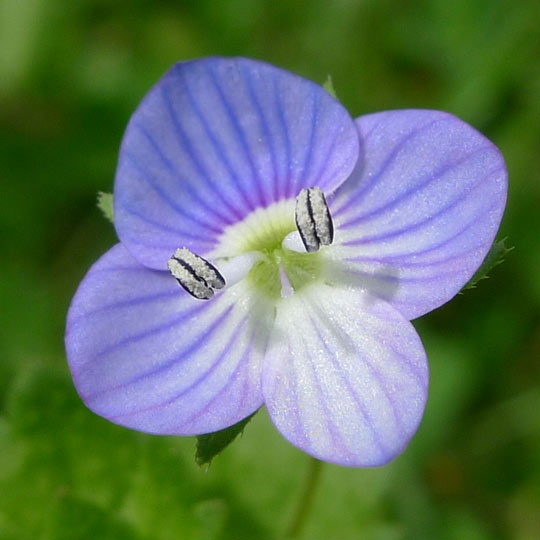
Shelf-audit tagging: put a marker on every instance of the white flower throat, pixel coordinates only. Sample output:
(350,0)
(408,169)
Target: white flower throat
(257,248)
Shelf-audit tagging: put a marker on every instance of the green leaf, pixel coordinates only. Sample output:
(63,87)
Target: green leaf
(496,255)
(211,444)
(105,204)
(328,85)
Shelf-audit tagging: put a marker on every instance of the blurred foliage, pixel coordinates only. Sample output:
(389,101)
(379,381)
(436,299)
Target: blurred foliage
(70,75)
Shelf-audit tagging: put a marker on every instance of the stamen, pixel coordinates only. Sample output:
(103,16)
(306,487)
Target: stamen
(236,268)
(195,274)
(313,219)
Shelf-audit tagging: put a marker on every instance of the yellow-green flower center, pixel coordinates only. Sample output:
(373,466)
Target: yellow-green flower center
(263,231)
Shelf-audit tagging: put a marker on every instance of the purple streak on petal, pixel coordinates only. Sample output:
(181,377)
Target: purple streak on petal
(264,125)
(163,227)
(296,413)
(127,268)
(172,362)
(183,212)
(331,426)
(333,382)
(233,378)
(151,360)
(438,199)
(309,149)
(333,360)
(218,147)
(166,364)
(286,182)
(217,138)
(461,266)
(224,220)
(152,331)
(255,181)
(368,132)
(377,376)
(458,262)
(323,169)
(232,382)
(124,303)
(287,187)
(203,174)
(423,183)
(206,245)
(374,177)
(421,224)
(404,259)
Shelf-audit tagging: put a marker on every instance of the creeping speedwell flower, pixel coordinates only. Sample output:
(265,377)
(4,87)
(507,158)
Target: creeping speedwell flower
(303,243)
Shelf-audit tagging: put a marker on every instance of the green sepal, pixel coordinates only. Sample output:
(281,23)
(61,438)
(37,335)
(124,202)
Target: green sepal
(210,445)
(496,255)
(105,204)
(328,85)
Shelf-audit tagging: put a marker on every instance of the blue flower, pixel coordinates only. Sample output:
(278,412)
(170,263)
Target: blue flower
(304,242)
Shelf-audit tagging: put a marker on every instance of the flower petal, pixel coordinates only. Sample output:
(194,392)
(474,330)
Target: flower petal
(345,376)
(146,355)
(214,140)
(417,219)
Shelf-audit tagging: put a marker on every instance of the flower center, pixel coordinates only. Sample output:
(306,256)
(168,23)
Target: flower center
(263,230)
(283,270)
(280,271)
(254,249)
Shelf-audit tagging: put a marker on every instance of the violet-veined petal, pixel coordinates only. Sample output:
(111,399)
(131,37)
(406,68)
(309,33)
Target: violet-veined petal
(345,376)
(147,355)
(214,140)
(416,219)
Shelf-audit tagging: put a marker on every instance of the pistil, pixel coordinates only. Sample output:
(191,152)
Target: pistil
(286,288)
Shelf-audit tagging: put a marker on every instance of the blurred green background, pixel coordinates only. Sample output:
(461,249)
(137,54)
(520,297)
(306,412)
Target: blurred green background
(71,73)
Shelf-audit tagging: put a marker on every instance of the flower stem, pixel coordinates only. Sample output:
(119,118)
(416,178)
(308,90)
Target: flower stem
(306,499)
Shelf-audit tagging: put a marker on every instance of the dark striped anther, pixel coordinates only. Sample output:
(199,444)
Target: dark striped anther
(313,219)
(195,274)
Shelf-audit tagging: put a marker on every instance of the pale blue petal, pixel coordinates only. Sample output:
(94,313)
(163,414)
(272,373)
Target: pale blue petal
(147,355)
(345,376)
(416,219)
(214,140)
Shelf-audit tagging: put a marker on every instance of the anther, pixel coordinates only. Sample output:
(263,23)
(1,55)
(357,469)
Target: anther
(313,219)
(195,274)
